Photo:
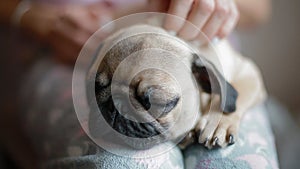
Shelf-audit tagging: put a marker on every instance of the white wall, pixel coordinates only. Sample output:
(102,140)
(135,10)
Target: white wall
(276,49)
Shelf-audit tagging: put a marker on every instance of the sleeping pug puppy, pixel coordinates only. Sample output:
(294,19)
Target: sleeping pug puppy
(143,103)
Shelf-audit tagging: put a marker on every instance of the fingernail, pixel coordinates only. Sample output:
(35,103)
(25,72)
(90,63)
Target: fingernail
(215,141)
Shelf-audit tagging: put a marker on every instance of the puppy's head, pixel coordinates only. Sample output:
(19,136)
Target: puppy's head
(137,102)
(144,103)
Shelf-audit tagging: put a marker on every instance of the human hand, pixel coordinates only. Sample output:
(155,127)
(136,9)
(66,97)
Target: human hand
(65,28)
(215,18)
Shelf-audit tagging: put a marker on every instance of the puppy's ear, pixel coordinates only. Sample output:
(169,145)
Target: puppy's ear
(212,81)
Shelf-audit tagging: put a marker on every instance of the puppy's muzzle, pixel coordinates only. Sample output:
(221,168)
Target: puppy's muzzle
(157,92)
(157,100)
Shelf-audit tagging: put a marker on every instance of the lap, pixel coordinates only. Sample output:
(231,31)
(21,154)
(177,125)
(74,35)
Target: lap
(254,149)
(53,127)
(104,159)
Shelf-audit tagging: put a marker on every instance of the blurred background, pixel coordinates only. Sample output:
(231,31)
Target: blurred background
(275,47)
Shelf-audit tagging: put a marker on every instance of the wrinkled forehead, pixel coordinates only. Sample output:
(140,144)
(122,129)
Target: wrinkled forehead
(136,38)
(146,36)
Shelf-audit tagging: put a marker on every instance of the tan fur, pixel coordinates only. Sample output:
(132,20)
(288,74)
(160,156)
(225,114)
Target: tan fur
(238,70)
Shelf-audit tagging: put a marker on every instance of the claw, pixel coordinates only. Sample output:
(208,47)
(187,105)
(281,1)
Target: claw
(215,141)
(231,140)
(206,142)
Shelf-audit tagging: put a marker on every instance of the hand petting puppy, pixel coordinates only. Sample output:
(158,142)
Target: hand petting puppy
(215,18)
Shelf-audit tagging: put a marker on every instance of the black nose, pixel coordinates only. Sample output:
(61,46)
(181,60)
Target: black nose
(159,101)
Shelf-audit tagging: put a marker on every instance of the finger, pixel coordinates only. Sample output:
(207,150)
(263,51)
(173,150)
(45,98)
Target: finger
(88,24)
(201,10)
(230,23)
(79,17)
(217,19)
(67,41)
(74,35)
(180,8)
(102,14)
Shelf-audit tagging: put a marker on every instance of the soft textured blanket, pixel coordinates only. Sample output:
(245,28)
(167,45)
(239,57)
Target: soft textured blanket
(52,125)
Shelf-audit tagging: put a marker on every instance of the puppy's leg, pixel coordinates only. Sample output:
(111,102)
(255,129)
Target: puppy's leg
(220,129)
(216,128)
(190,137)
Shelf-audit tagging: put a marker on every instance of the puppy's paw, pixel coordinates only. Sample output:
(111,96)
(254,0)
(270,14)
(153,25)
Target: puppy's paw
(216,129)
(187,140)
